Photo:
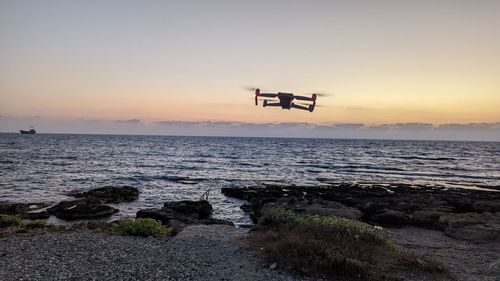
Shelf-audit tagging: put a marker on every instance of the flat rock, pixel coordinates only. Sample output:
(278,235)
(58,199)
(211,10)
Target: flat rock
(201,209)
(158,214)
(427,219)
(484,227)
(487,206)
(81,209)
(183,213)
(36,215)
(8,208)
(110,194)
(391,217)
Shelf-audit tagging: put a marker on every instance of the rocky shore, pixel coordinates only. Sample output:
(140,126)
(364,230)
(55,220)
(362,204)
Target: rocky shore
(460,228)
(472,215)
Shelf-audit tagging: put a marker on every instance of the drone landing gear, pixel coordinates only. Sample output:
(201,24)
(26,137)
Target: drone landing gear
(309,108)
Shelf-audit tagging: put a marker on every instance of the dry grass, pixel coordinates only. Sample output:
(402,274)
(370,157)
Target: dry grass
(333,248)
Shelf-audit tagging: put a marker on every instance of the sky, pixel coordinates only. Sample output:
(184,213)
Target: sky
(411,69)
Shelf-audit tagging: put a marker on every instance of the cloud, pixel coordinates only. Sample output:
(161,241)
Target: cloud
(469,126)
(410,130)
(129,121)
(349,125)
(403,126)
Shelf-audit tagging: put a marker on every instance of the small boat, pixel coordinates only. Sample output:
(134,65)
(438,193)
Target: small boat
(30,132)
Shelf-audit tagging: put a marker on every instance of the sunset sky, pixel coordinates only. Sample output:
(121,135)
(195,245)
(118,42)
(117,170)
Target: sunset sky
(383,62)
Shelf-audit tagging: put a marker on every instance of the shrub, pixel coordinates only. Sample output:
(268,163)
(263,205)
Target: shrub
(8,220)
(324,225)
(141,227)
(330,247)
(35,225)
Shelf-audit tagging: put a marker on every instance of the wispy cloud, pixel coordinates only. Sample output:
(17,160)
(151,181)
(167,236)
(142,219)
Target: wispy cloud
(413,130)
(129,121)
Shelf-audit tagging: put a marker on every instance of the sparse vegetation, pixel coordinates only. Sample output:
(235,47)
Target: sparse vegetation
(95,225)
(8,220)
(341,228)
(141,227)
(10,225)
(331,248)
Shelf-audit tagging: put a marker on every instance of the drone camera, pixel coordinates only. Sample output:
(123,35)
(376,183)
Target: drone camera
(257,94)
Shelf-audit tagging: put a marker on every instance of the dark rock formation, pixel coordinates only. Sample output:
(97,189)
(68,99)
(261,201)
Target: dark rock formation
(472,226)
(81,209)
(182,213)
(31,211)
(391,218)
(110,194)
(201,209)
(387,205)
(36,215)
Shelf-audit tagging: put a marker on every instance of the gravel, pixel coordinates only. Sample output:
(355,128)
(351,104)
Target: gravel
(465,260)
(197,253)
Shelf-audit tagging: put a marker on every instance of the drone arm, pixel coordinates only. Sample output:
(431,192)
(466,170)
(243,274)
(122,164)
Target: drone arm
(303,98)
(268,95)
(301,107)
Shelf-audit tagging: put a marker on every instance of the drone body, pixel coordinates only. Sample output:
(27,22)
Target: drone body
(285,100)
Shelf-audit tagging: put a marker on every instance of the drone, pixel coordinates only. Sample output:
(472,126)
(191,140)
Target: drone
(285,100)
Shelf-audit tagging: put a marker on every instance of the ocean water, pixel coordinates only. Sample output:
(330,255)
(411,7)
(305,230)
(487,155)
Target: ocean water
(44,167)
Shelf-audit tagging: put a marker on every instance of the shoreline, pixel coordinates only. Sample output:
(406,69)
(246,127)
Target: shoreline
(433,222)
(202,252)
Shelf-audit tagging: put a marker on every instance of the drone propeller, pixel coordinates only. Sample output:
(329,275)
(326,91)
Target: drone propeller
(252,89)
(320,94)
(303,98)
(307,104)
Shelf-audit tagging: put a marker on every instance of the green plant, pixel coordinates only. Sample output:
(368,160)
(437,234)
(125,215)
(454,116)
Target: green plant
(141,227)
(279,216)
(34,225)
(8,220)
(333,248)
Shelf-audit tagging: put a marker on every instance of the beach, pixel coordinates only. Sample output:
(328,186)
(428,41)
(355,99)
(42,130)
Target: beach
(198,253)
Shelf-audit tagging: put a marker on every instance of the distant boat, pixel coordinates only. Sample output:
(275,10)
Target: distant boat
(30,132)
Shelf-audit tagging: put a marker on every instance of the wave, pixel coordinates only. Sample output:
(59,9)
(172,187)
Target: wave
(417,174)
(426,158)
(370,167)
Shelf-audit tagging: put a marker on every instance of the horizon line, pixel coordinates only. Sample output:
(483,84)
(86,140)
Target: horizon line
(259,137)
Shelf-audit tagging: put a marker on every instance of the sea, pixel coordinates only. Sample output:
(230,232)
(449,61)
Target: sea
(45,167)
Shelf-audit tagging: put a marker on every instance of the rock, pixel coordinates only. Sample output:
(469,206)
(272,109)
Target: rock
(161,215)
(81,209)
(182,213)
(428,219)
(215,221)
(36,215)
(391,217)
(110,194)
(486,206)
(202,209)
(8,208)
(475,233)
(393,204)
(484,227)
